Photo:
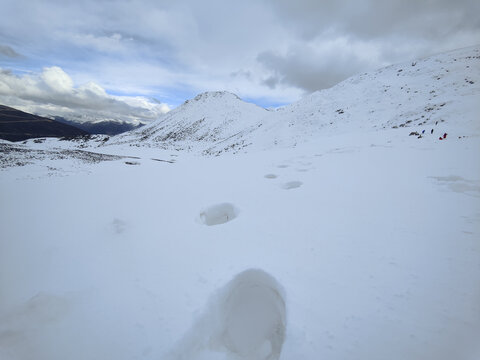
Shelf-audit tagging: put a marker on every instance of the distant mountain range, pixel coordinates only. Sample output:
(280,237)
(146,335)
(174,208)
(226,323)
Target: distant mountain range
(106,127)
(16,125)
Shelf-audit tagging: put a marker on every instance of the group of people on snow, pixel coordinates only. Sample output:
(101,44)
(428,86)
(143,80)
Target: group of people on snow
(431,132)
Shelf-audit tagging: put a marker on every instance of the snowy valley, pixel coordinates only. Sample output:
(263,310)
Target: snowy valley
(350,214)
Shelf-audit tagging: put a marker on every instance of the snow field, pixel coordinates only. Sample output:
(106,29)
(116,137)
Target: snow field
(376,252)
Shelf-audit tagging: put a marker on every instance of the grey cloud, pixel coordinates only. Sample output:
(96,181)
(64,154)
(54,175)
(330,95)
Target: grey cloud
(369,19)
(8,52)
(242,73)
(273,80)
(309,70)
(377,32)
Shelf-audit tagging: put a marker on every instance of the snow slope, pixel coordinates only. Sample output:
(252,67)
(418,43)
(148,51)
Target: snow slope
(212,118)
(410,97)
(444,88)
(350,240)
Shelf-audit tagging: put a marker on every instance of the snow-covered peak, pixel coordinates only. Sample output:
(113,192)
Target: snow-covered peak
(218,120)
(215,95)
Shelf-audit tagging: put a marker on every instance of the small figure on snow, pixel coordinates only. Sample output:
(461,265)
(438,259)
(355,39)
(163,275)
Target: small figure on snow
(423,131)
(431,131)
(445,135)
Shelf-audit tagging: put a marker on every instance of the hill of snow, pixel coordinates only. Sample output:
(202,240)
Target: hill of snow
(415,96)
(212,119)
(411,97)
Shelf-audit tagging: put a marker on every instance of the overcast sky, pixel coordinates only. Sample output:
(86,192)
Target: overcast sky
(133,60)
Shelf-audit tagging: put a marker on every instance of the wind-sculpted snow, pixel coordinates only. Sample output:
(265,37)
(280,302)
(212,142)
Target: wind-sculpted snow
(244,320)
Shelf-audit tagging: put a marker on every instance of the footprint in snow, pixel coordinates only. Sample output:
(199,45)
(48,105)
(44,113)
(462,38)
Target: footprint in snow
(270,176)
(245,319)
(292,185)
(118,226)
(218,214)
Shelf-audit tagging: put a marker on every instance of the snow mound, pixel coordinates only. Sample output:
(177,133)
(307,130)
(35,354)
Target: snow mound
(246,319)
(218,214)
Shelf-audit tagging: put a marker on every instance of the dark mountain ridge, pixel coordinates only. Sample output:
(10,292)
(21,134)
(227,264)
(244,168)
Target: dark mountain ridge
(16,125)
(106,127)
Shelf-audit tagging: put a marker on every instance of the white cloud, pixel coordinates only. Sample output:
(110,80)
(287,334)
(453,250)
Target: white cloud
(53,93)
(57,80)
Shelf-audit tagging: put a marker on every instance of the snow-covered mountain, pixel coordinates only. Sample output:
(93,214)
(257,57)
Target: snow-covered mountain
(212,119)
(415,95)
(409,95)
